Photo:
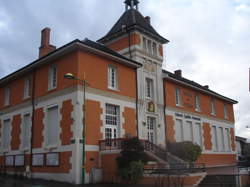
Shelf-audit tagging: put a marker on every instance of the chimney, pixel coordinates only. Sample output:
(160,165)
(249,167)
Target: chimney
(45,47)
(178,73)
(148,19)
(206,86)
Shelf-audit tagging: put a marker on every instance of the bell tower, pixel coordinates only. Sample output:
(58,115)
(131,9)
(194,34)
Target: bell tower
(134,37)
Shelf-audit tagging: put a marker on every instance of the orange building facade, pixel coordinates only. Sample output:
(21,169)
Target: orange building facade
(55,125)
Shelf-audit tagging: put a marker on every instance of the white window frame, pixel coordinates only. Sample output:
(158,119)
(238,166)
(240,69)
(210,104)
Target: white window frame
(26,147)
(215,139)
(178,96)
(112,77)
(47,144)
(7,96)
(112,120)
(26,91)
(225,111)
(150,46)
(197,103)
(213,108)
(151,126)
(181,128)
(149,88)
(52,77)
(9,137)
(228,139)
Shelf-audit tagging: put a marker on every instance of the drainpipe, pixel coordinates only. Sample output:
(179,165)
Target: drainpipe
(32,120)
(137,122)
(84,130)
(165,121)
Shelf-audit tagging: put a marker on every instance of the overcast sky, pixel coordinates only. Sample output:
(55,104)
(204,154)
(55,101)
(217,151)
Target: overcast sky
(209,39)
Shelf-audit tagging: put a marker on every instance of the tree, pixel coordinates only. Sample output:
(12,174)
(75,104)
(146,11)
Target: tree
(187,151)
(131,160)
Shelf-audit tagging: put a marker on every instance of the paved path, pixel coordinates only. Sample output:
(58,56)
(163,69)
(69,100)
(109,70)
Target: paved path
(11,182)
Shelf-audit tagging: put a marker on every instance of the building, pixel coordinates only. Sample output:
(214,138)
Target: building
(240,144)
(69,130)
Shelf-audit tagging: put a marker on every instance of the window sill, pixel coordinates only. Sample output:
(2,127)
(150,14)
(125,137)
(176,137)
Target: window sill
(25,150)
(26,98)
(178,105)
(114,89)
(198,110)
(51,147)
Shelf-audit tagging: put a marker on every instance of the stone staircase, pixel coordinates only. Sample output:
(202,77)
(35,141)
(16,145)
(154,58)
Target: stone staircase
(219,181)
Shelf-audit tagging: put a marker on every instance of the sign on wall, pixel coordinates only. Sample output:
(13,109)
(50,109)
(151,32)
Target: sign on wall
(52,159)
(38,160)
(9,160)
(19,160)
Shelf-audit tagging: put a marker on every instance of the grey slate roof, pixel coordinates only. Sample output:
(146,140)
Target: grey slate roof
(133,20)
(87,42)
(197,85)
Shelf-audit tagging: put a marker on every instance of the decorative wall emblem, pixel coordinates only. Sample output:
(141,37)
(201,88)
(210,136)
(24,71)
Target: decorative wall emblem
(151,107)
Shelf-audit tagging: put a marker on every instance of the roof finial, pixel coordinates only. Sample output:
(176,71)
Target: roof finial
(132,4)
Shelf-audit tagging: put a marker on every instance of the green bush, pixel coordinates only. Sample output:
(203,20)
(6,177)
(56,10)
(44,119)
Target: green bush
(131,160)
(187,151)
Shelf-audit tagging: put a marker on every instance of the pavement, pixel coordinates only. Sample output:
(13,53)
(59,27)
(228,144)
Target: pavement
(10,181)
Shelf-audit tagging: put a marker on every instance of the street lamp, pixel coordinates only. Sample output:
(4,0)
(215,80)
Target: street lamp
(85,83)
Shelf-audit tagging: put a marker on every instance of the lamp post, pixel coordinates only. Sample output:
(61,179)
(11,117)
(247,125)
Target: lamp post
(85,83)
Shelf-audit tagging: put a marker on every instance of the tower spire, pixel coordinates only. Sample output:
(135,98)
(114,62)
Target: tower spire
(131,4)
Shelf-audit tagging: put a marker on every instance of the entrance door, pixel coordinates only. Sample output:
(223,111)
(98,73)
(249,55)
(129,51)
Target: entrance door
(151,125)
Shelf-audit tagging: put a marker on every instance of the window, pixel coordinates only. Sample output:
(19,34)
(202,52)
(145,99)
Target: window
(26,93)
(197,134)
(178,96)
(6,134)
(221,139)
(197,103)
(52,77)
(179,131)
(7,96)
(225,111)
(188,129)
(214,138)
(144,43)
(149,47)
(112,121)
(112,77)
(227,140)
(151,123)
(52,127)
(154,49)
(213,111)
(26,131)
(149,88)
(112,115)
